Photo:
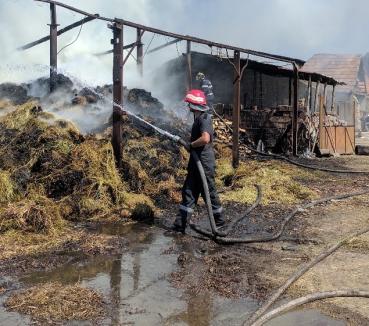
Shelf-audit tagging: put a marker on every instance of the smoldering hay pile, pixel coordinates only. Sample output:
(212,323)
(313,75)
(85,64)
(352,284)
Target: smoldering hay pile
(51,173)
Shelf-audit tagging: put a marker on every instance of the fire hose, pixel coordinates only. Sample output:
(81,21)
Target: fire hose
(221,236)
(306,166)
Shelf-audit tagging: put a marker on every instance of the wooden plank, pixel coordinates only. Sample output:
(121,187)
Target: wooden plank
(350,131)
(321,124)
(330,137)
(341,147)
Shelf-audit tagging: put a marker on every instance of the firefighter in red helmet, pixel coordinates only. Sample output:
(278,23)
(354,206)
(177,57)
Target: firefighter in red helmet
(201,143)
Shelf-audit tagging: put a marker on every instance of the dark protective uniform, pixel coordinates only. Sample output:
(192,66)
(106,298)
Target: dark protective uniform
(207,88)
(192,187)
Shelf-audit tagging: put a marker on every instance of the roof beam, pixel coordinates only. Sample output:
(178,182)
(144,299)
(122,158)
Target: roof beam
(184,37)
(61,31)
(164,45)
(126,47)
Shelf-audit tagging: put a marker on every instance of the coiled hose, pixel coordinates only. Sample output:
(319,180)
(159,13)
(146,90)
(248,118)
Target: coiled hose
(221,236)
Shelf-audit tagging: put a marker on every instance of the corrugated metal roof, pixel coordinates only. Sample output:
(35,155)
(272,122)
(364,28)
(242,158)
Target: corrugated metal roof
(342,67)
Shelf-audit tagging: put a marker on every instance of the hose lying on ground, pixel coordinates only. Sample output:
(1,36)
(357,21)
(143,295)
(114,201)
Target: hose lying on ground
(310,298)
(324,254)
(220,238)
(232,223)
(306,166)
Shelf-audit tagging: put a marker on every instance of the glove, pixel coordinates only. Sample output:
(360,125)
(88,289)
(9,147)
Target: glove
(185,144)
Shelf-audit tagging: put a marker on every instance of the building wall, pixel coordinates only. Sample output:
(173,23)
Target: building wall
(257,89)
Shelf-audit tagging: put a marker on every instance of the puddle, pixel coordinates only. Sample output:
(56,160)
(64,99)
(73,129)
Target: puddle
(136,286)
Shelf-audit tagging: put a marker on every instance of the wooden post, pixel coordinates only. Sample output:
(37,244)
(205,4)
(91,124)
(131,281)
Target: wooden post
(236,109)
(295,110)
(117,91)
(316,95)
(139,53)
(188,67)
(354,115)
(290,92)
(261,90)
(321,122)
(325,96)
(308,96)
(311,97)
(254,103)
(333,99)
(53,47)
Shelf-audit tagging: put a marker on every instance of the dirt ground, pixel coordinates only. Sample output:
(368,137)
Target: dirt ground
(239,271)
(258,269)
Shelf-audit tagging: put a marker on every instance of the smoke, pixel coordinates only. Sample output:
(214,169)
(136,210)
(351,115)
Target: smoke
(292,28)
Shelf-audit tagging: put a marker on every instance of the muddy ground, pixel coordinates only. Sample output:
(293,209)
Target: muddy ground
(230,276)
(256,269)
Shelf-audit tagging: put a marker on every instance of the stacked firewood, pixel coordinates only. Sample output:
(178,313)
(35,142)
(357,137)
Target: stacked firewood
(222,130)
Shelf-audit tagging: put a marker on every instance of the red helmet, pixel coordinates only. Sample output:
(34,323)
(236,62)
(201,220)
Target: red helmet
(195,96)
(196,100)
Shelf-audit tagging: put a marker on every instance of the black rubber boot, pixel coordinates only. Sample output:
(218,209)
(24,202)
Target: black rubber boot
(219,220)
(180,223)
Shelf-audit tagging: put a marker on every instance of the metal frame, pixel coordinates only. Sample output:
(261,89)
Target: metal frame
(118,63)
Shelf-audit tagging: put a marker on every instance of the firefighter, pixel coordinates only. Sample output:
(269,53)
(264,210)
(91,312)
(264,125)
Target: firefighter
(201,143)
(207,88)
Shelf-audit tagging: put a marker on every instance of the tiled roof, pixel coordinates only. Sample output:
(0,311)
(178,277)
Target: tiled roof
(344,68)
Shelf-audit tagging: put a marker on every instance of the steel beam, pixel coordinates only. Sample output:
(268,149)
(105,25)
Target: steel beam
(53,47)
(236,109)
(117,42)
(182,37)
(61,31)
(139,52)
(163,46)
(188,67)
(295,110)
(126,47)
(131,50)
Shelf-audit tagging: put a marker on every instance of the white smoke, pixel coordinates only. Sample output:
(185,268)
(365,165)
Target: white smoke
(294,28)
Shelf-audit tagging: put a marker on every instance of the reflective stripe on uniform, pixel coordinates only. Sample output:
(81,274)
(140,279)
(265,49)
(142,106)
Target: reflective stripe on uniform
(186,209)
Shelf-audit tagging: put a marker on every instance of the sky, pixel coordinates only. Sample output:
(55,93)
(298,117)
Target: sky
(295,28)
